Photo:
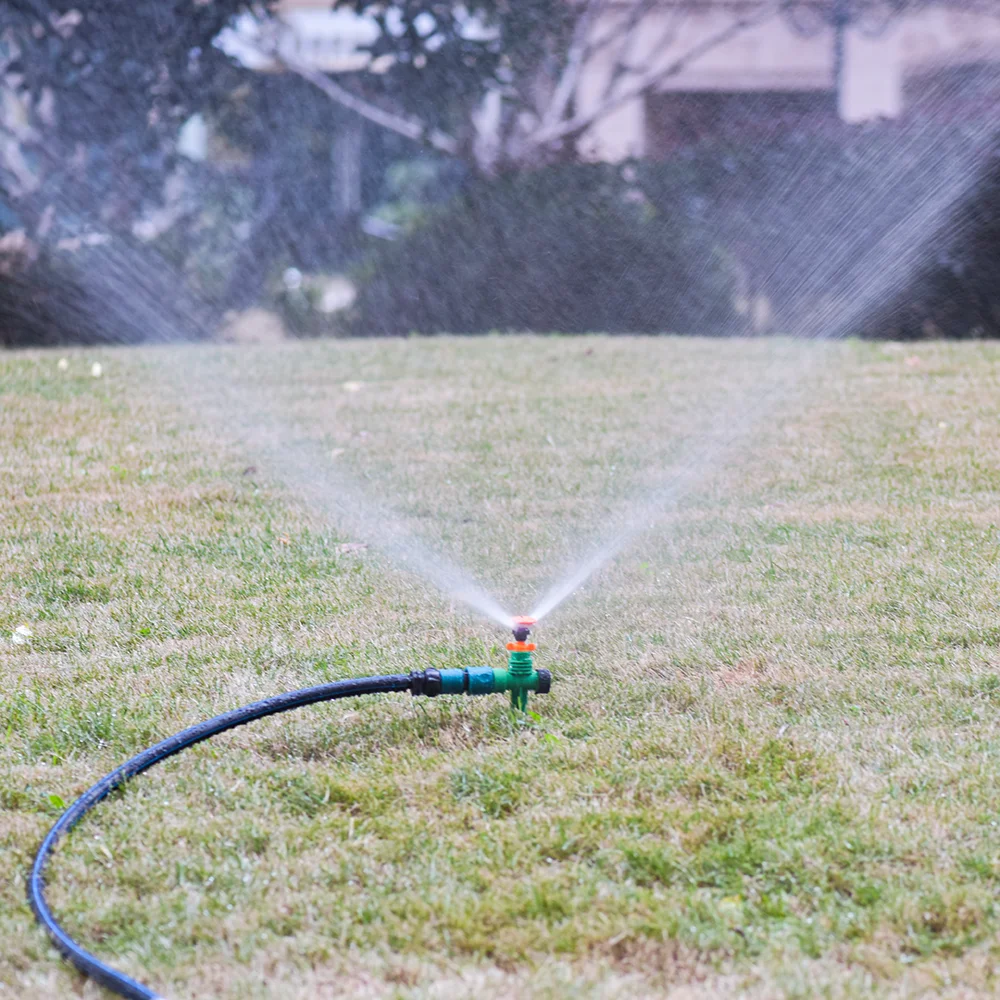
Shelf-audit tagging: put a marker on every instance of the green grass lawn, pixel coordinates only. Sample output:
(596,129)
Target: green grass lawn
(768,765)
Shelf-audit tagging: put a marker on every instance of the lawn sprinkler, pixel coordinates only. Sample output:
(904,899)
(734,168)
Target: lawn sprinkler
(519,677)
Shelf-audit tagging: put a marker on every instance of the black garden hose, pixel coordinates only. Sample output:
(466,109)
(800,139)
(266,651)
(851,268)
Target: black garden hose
(426,682)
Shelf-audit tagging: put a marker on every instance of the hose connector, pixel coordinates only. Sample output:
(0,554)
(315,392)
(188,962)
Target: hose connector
(464,680)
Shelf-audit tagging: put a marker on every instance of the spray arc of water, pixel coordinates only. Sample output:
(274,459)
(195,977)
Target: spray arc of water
(888,265)
(336,495)
(218,396)
(227,401)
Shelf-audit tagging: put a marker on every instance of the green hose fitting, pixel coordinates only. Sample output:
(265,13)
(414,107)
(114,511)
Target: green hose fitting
(484,680)
(468,680)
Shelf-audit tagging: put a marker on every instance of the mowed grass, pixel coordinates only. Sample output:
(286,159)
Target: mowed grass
(768,765)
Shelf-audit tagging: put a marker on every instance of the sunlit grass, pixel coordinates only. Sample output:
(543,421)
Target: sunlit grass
(768,766)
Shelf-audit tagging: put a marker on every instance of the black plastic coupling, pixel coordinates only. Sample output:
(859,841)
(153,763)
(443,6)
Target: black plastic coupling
(544,681)
(425,682)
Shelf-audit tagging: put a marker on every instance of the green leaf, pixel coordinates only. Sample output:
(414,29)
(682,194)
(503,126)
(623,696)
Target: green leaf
(57,801)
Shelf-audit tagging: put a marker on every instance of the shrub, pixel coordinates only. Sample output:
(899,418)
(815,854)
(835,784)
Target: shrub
(888,230)
(570,248)
(884,230)
(116,293)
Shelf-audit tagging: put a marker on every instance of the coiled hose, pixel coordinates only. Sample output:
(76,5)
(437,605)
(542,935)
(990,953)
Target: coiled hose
(426,682)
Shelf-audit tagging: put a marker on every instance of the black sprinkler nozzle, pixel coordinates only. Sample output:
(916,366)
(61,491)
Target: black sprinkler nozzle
(522,628)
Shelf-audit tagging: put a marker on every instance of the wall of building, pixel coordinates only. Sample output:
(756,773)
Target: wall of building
(772,57)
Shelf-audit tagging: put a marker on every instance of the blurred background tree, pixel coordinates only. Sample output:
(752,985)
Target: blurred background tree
(95,98)
(164,164)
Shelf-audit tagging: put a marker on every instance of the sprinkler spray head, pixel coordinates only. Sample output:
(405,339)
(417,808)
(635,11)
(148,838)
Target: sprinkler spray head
(519,677)
(521,674)
(522,627)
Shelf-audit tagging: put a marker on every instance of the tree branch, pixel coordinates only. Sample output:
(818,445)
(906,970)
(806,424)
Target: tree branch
(636,14)
(645,81)
(636,11)
(410,128)
(579,49)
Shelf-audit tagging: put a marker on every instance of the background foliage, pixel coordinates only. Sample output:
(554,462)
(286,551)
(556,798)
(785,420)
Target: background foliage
(108,233)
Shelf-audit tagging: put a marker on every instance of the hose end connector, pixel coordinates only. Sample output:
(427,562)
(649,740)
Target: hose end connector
(466,680)
(425,682)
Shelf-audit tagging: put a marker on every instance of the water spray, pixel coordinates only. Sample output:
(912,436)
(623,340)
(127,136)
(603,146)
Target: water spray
(519,677)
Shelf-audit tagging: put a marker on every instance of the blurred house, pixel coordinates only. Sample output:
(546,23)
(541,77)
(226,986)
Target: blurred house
(805,63)
(837,59)
(310,32)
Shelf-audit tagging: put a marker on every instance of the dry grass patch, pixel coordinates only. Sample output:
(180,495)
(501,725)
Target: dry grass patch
(768,764)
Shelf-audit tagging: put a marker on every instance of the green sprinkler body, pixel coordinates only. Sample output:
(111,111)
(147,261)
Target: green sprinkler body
(519,677)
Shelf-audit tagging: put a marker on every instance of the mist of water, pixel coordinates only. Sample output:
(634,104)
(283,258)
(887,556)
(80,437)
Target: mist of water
(869,251)
(877,262)
(228,401)
(221,397)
